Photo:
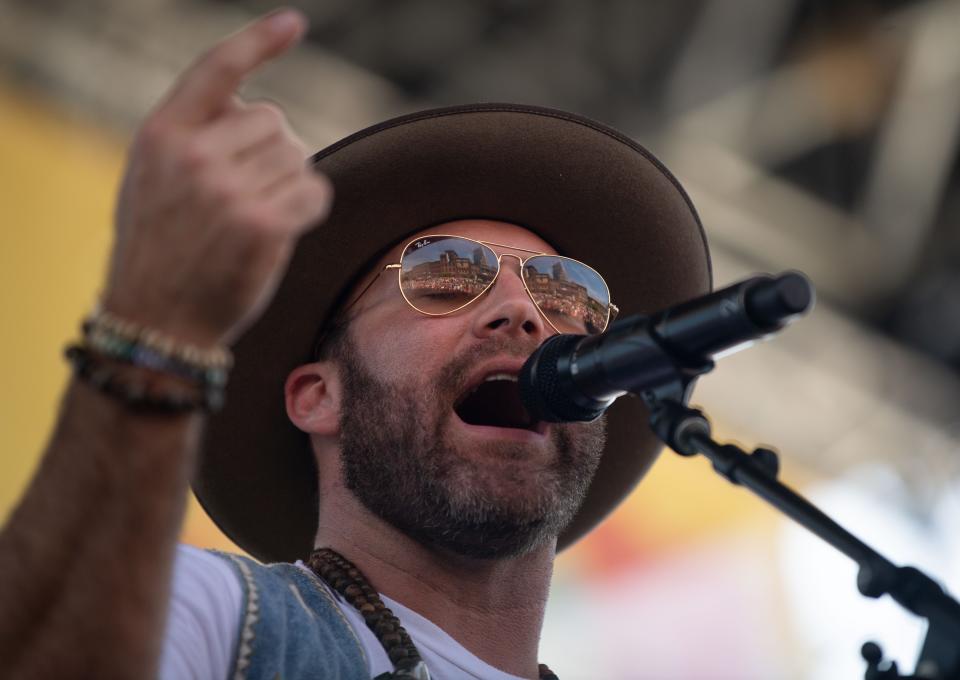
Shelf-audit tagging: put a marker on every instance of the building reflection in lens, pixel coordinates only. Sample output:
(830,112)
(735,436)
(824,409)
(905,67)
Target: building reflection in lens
(454,278)
(449,275)
(572,306)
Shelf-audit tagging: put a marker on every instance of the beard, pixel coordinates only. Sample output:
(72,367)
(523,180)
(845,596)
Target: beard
(477,499)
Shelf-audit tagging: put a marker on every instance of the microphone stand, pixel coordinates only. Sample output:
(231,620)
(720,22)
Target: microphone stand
(687,431)
(658,358)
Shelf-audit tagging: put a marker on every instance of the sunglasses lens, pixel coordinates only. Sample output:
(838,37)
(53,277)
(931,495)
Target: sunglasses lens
(439,274)
(572,295)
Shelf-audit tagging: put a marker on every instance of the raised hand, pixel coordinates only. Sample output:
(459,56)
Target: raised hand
(214,198)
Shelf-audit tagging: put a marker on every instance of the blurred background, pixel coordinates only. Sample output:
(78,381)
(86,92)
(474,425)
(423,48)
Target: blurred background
(812,135)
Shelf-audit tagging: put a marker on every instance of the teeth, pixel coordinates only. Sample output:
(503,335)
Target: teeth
(490,378)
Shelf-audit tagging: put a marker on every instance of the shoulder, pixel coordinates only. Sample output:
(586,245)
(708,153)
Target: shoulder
(204,615)
(205,574)
(289,623)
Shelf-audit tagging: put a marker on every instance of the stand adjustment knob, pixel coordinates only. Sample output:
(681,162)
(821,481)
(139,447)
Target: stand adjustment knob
(768,460)
(873,655)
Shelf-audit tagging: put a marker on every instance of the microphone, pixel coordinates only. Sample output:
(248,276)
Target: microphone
(577,377)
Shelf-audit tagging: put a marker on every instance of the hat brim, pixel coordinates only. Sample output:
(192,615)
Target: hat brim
(591,192)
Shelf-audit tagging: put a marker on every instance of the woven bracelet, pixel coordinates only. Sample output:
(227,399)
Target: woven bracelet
(125,341)
(132,352)
(142,388)
(103,324)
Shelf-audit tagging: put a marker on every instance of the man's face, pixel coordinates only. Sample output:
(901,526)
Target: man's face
(434,439)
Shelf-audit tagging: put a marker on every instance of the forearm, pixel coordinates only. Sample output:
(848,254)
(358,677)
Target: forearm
(85,559)
(214,197)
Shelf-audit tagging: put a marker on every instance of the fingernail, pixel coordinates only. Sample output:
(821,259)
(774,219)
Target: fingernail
(285,20)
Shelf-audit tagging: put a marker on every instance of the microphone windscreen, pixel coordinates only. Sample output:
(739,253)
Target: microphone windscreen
(544,391)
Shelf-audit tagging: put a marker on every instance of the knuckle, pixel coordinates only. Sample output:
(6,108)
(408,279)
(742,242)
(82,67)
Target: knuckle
(294,156)
(221,191)
(300,145)
(218,189)
(269,113)
(322,203)
(254,219)
(322,186)
(282,160)
(309,203)
(194,155)
(320,189)
(303,151)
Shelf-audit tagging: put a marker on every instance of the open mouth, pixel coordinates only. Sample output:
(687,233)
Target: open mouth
(495,402)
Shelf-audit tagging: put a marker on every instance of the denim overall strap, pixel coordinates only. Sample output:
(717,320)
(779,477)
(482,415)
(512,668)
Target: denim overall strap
(291,627)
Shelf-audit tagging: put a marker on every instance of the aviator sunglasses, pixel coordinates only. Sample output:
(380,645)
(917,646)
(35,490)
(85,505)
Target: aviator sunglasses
(440,274)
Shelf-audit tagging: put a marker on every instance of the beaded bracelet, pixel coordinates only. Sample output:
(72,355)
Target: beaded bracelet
(130,351)
(104,324)
(127,342)
(141,387)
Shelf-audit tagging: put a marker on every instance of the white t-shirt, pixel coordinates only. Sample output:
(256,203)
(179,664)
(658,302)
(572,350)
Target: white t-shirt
(204,616)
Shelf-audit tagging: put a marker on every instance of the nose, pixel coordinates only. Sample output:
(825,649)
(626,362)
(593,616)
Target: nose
(507,308)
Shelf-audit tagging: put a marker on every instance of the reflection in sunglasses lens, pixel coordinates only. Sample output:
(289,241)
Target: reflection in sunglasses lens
(572,295)
(440,274)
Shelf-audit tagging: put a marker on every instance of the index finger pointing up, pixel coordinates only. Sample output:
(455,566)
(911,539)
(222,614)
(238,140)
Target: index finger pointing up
(204,90)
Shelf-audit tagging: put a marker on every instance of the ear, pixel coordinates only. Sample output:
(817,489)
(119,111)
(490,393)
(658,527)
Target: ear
(312,396)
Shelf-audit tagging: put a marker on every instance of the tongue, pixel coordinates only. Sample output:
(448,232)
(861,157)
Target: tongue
(495,403)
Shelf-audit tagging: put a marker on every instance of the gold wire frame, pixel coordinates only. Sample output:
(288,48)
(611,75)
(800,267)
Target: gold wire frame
(612,309)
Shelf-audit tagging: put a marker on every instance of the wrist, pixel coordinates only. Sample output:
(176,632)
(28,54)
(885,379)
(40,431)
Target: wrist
(165,322)
(147,369)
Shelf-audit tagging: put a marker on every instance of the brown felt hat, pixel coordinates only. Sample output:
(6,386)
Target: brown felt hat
(586,189)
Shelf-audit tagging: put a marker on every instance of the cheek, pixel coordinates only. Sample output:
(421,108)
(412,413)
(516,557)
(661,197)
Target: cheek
(413,349)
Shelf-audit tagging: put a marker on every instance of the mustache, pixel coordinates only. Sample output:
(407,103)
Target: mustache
(453,375)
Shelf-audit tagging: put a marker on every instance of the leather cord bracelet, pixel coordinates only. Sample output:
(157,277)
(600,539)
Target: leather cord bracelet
(147,369)
(142,388)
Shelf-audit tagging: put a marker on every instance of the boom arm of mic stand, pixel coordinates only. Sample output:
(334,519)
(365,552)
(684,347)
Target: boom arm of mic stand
(687,431)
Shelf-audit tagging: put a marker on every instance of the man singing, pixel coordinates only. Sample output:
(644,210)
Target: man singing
(338,378)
